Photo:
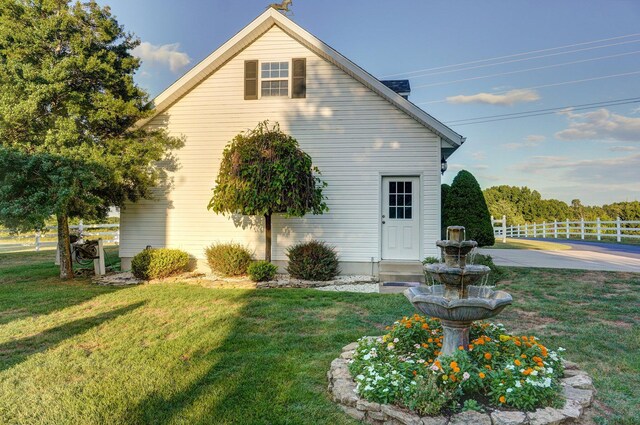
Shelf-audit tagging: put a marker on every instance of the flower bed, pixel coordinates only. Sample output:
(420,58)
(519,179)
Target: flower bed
(500,372)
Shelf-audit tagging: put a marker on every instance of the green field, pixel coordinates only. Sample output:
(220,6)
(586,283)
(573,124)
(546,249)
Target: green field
(77,353)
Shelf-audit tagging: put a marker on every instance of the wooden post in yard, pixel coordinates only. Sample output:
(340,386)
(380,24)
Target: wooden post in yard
(504,229)
(618,230)
(98,263)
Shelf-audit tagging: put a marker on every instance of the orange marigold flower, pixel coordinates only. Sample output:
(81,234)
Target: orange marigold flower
(408,325)
(415,373)
(488,367)
(487,356)
(453,364)
(456,369)
(453,378)
(481,375)
(460,347)
(470,346)
(502,399)
(524,356)
(425,326)
(439,344)
(518,343)
(430,340)
(517,362)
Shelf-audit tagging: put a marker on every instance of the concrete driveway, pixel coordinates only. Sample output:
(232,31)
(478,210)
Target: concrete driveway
(582,256)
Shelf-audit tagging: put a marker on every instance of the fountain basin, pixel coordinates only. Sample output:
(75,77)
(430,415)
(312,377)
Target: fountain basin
(482,303)
(456,276)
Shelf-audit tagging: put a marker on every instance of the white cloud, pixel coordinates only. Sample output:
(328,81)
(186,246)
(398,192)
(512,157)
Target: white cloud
(167,55)
(600,125)
(623,148)
(612,172)
(531,141)
(506,99)
(479,156)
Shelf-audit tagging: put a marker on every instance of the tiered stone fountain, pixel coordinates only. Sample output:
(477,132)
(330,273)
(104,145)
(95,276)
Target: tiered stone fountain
(455,299)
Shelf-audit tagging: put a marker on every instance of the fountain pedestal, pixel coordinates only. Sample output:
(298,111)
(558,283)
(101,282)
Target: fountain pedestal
(457,302)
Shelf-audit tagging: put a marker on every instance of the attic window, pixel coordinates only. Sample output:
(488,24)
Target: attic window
(275,78)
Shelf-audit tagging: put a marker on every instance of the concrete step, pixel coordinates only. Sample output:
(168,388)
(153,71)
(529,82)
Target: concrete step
(400,266)
(400,276)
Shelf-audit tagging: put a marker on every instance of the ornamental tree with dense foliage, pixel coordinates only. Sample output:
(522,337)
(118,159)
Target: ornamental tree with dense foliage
(264,172)
(465,206)
(69,145)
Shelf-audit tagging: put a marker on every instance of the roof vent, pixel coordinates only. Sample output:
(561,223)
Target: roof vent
(401,87)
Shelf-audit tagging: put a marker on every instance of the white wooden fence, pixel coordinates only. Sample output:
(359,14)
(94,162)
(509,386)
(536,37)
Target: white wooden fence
(48,237)
(582,229)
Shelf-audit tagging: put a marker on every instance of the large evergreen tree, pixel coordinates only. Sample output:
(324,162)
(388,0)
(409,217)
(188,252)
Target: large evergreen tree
(69,145)
(264,172)
(465,206)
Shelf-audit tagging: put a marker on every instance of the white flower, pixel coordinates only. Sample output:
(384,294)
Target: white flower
(416,345)
(534,373)
(396,340)
(390,346)
(360,377)
(509,390)
(434,367)
(549,370)
(421,361)
(518,384)
(465,376)
(366,357)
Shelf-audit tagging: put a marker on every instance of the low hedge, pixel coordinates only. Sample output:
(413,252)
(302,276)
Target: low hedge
(158,263)
(313,260)
(262,271)
(228,259)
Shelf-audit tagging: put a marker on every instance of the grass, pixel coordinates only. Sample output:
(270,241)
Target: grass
(528,244)
(177,353)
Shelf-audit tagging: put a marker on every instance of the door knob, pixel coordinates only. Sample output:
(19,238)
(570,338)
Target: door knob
(382,221)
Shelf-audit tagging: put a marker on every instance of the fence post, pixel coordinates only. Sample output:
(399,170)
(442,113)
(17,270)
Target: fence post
(38,240)
(568,232)
(504,228)
(80,228)
(598,229)
(535,230)
(544,229)
(518,230)
(582,228)
(555,229)
(526,230)
(618,230)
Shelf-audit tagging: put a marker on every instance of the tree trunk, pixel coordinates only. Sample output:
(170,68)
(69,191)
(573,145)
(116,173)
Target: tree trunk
(267,234)
(64,247)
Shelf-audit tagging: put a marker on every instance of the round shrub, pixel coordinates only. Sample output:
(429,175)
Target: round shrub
(228,259)
(158,263)
(262,271)
(313,260)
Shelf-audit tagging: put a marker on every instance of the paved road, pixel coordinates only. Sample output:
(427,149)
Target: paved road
(583,255)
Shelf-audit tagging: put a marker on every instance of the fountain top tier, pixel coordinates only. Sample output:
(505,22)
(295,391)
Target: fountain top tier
(455,248)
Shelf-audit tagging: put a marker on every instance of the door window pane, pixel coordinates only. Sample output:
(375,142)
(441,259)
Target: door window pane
(392,200)
(400,212)
(407,213)
(392,212)
(401,200)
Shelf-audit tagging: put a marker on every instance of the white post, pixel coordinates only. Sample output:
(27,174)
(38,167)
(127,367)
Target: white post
(526,230)
(80,228)
(544,229)
(618,230)
(504,229)
(38,240)
(568,233)
(518,230)
(598,229)
(98,263)
(582,228)
(555,229)
(535,230)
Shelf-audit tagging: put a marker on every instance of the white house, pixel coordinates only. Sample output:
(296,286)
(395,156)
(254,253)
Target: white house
(379,153)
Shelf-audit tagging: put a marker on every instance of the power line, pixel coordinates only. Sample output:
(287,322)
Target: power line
(593,104)
(527,69)
(512,55)
(539,112)
(550,85)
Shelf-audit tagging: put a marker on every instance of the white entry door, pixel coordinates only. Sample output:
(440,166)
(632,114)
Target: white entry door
(401,218)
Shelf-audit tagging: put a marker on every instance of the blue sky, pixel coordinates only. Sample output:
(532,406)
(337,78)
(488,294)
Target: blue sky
(591,154)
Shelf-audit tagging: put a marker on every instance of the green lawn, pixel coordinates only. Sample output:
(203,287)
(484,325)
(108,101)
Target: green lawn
(176,353)
(513,243)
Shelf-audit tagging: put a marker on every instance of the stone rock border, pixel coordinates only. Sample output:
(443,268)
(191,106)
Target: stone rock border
(577,388)
(285,281)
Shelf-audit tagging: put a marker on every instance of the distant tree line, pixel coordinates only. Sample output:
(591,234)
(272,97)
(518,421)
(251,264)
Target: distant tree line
(522,205)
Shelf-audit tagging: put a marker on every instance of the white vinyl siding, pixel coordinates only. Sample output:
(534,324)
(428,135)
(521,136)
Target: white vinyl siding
(353,135)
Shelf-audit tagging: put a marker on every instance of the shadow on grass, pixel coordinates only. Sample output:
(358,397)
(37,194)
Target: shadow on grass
(271,368)
(17,351)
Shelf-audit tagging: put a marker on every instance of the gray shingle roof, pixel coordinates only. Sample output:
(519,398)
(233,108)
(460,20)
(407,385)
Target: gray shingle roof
(401,87)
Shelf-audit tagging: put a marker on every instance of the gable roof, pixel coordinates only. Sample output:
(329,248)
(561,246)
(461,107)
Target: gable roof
(262,24)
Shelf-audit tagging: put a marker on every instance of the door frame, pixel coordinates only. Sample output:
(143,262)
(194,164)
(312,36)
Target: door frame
(408,173)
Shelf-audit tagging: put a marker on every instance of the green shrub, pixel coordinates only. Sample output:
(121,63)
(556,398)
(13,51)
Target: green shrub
(313,260)
(262,271)
(431,260)
(228,259)
(497,273)
(464,205)
(159,263)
